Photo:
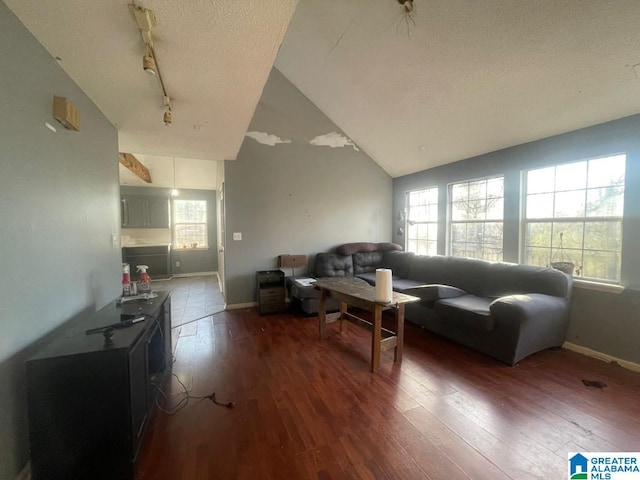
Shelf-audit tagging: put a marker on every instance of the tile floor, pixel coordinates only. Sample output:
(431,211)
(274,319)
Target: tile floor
(192,298)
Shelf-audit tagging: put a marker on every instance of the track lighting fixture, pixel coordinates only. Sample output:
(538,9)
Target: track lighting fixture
(149,63)
(146,21)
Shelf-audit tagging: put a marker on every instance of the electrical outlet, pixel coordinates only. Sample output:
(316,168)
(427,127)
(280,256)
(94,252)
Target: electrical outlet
(237,235)
(177,264)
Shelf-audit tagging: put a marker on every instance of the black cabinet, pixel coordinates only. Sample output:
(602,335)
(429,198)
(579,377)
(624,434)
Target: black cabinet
(141,211)
(88,402)
(156,257)
(270,285)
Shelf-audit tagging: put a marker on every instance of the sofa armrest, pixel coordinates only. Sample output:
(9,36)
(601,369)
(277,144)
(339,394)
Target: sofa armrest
(530,306)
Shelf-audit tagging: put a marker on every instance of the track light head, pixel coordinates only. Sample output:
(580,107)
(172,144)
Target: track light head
(167,118)
(149,64)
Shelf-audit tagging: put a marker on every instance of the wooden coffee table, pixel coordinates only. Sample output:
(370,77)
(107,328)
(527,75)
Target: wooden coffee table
(358,293)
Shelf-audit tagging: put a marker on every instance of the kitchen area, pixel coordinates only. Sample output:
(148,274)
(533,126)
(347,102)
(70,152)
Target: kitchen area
(170,224)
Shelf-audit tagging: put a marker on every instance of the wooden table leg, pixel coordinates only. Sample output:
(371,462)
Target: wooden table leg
(322,313)
(376,337)
(397,357)
(343,320)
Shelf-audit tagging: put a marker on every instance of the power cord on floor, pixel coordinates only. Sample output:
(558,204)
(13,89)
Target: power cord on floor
(184,401)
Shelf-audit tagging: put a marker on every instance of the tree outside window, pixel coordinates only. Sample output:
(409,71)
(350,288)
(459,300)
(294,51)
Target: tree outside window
(190,224)
(422,221)
(476,218)
(573,214)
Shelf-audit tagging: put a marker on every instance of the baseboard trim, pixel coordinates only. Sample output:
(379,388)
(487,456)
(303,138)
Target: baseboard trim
(25,474)
(196,274)
(635,367)
(237,306)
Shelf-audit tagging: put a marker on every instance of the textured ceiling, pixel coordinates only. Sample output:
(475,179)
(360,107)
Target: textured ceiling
(470,77)
(215,57)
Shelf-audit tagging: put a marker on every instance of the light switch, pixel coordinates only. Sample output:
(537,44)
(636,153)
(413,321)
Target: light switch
(237,235)
(114,240)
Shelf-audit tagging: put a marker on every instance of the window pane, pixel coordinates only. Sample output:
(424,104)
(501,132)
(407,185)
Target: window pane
(495,187)
(537,235)
(493,234)
(540,206)
(187,234)
(459,211)
(537,256)
(474,232)
(478,190)
(190,211)
(570,204)
(605,202)
(541,180)
(458,249)
(459,192)
(432,248)
(601,265)
(607,171)
(495,209)
(569,233)
(603,236)
(572,176)
(459,232)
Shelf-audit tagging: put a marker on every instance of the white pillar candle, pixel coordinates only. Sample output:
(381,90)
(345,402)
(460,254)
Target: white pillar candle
(384,285)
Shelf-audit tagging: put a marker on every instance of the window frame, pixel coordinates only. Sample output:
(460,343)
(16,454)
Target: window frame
(451,222)
(175,224)
(408,223)
(585,219)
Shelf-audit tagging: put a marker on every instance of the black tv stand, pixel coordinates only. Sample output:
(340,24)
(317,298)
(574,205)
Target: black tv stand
(90,397)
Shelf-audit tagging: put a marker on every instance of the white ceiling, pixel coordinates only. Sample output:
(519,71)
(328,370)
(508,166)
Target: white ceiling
(214,56)
(468,78)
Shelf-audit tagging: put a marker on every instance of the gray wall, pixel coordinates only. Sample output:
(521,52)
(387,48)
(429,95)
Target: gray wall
(296,197)
(58,209)
(191,261)
(600,321)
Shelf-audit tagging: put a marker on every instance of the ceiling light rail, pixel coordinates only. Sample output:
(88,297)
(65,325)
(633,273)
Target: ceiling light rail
(146,21)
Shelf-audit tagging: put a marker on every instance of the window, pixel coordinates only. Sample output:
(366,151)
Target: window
(190,224)
(573,213)
(422,221)
(476,212)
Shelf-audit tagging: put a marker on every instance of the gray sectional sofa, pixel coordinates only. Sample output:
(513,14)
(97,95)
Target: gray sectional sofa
(507,311)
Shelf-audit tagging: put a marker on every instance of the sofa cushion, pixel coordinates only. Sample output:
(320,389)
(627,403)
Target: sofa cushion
(370,278)
(431,293)
(399,262)
(332,265)
(403,284)
(355,247)
(467,311)
(366,262)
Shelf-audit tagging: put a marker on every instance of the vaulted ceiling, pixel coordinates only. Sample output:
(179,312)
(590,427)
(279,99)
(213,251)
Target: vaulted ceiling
(456,79)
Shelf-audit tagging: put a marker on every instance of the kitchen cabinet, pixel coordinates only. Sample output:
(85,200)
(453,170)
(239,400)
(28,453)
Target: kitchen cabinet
(156,257)
(141,211)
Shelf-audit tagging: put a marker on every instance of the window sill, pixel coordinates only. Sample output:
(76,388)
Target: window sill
(600,287)
(190,249)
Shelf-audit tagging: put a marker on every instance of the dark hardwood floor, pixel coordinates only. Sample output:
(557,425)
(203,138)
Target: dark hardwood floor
(310,409)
